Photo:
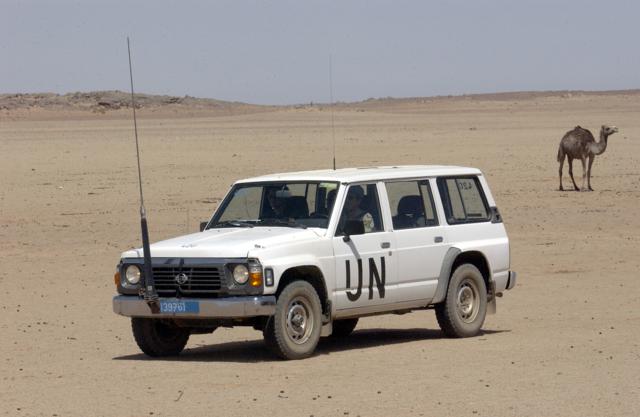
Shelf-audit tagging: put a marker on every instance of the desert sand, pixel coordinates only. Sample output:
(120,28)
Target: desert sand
(564,342)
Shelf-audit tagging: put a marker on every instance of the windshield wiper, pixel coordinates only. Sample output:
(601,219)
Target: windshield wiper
(281,222)
(233,223)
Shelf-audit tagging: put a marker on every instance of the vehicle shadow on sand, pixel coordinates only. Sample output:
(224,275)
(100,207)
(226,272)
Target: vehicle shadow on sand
(255,350)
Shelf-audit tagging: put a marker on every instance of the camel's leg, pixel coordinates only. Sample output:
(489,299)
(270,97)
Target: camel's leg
(591,158)
(575,186)
(583,159)
(560,171)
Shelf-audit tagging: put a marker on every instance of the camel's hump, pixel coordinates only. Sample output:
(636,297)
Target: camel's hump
(579,129)
(579,134)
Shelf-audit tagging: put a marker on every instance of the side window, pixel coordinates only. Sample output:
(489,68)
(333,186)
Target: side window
(463,200)
(429,205)
(411,204)
(361,211)
(456,208)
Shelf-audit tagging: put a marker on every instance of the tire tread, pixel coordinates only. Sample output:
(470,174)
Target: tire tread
(148,340)
(274,335)
(446,313)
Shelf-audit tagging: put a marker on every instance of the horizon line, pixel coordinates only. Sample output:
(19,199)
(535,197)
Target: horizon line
(321,103)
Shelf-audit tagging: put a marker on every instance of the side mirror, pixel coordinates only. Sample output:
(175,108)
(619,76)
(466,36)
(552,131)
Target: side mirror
(203,225)
(495,215)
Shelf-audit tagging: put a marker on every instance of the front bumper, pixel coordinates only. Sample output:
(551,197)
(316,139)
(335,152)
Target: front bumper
(218,308)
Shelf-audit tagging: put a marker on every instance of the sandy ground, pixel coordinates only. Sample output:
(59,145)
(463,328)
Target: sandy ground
(565,341)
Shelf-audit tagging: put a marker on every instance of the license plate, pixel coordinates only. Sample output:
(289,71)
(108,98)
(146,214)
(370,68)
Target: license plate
(179,307)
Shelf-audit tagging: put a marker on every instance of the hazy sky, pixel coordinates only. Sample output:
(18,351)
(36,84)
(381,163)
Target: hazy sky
(278,51)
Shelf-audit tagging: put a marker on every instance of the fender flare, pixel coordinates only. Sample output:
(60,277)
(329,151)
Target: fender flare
(445,275)
(318,281)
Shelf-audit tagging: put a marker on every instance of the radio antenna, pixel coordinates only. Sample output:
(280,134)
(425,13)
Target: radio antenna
(333,126)
(149,292)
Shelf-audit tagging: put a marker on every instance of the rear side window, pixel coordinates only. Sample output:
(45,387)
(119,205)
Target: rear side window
(411,204)
(463,200)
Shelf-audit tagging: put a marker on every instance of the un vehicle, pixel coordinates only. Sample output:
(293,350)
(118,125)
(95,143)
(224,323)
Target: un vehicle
(303,255)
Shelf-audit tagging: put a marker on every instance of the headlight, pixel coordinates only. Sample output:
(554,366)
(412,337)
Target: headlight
(240,274)
(132,274)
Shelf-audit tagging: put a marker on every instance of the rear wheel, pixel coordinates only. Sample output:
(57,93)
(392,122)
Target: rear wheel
(343,328)
(294,330)
(159,337)
(463,311)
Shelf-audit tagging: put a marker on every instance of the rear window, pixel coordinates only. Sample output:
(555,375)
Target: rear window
(463,200)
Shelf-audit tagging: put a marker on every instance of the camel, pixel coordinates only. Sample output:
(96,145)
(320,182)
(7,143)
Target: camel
(579,143)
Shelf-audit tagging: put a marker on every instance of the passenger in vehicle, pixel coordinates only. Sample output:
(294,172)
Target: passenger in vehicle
(410,213)
(352,211)
(324,209)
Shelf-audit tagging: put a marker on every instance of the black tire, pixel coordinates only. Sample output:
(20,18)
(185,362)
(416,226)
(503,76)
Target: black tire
(463,311)
(343,328)
(294,331)
(159,337)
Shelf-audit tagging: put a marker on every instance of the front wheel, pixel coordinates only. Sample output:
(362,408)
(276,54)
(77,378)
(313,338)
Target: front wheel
(463,311)
(159,337)
(294,330)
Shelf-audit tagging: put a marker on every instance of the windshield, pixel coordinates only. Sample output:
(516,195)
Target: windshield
(287,204)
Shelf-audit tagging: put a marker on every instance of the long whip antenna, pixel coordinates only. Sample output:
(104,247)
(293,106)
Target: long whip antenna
(333,126)
(135,130)
(149,292)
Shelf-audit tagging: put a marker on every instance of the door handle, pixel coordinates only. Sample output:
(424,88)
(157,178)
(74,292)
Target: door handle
(385,245)
(438,239)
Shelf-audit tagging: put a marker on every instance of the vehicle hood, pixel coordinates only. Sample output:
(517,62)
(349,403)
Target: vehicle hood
(226,242)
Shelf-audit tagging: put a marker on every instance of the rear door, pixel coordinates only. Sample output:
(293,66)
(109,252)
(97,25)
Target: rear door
(421,242)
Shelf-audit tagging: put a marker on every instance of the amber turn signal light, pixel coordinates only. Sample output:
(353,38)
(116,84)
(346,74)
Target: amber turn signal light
(255,279)
(116,278)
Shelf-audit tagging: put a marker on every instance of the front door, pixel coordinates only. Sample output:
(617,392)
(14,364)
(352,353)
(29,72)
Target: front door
(364,253)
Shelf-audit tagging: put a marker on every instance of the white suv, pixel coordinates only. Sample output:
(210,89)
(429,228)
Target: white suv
(302,255)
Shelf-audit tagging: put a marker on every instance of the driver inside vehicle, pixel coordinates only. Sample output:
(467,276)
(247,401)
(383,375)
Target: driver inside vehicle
(353,212)
(277,205)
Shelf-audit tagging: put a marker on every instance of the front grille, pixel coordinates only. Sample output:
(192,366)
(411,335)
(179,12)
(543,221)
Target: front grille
(202,280)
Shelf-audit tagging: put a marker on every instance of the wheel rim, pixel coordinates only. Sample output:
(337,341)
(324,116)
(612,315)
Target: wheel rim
(299,320)
(468,300)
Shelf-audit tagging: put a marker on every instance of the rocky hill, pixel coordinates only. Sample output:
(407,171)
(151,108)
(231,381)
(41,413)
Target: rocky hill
(104,101)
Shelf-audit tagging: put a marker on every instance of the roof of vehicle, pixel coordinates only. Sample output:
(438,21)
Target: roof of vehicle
(350,175)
